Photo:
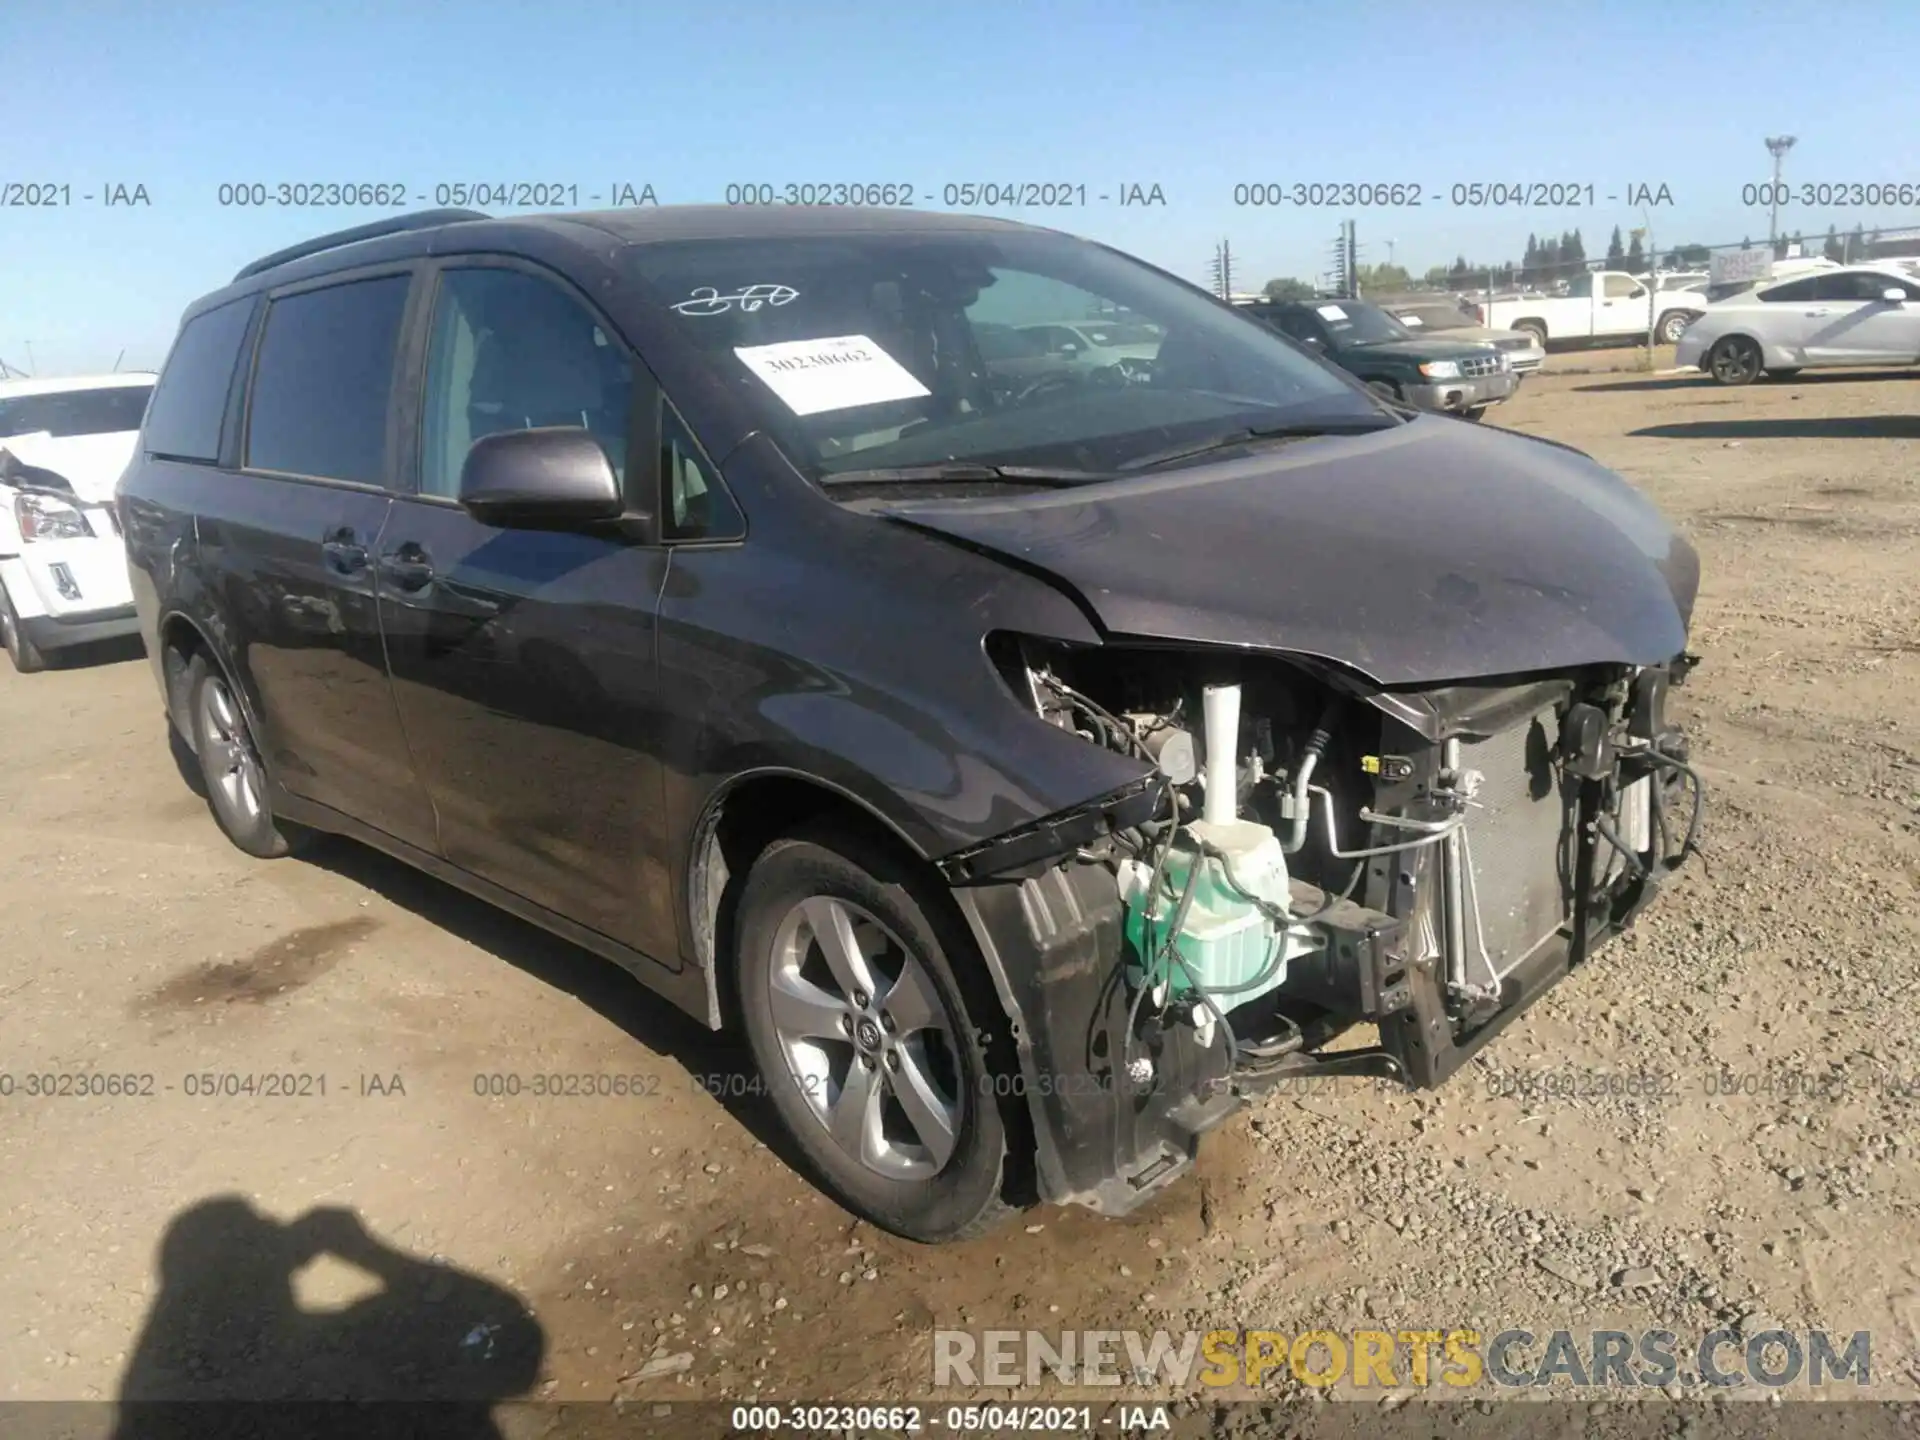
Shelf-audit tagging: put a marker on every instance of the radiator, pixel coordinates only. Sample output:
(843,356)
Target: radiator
(1519,850)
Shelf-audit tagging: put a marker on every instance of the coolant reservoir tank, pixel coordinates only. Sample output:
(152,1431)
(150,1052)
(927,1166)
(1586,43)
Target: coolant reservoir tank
(1229,944)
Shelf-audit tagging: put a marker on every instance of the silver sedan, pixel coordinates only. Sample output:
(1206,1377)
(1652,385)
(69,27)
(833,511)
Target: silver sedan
(1855,315)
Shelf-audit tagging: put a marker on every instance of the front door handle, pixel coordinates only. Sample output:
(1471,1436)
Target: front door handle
(1814,314)
(340,547)
(408,567)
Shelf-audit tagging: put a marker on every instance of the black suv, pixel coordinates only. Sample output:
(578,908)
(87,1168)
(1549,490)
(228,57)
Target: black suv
(1434,372)
(1034,763)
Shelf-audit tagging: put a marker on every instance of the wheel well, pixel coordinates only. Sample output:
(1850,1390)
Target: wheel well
(748,817)
(753,813)
(1530,323)
(180,641)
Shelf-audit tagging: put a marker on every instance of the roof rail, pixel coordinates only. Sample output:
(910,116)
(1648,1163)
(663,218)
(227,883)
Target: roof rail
(396,225)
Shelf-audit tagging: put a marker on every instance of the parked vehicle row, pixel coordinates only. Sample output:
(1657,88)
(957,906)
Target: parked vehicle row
(63,569)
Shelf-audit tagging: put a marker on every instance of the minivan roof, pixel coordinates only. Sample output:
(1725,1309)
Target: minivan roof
(423,233)
(639,225)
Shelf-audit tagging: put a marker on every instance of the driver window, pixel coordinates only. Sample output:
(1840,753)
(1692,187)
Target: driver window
(510,351)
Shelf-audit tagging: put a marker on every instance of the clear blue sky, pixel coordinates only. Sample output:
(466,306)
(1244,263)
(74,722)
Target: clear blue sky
(689,98)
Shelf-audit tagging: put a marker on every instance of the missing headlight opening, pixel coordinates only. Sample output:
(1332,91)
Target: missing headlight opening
(1317,855)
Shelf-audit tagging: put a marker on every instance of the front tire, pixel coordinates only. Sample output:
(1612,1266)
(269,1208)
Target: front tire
(867,1036)
(231,768)
(1734,360)
(1475,415)
(27,657)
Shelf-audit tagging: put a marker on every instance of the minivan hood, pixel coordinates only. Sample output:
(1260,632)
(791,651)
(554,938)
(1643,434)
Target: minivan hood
(1432,551)
(91,464)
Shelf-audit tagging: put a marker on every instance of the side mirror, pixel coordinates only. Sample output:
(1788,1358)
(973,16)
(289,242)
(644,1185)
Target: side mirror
(1637,292)
(1894,293)
(551,477)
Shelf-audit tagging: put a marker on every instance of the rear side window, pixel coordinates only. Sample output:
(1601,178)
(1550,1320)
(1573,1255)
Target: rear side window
(323,380)
(1854,285)
(183,422)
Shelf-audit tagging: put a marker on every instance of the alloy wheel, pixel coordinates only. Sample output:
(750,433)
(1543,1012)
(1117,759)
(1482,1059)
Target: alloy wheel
(232,764)
(1735,361)
(867,1038)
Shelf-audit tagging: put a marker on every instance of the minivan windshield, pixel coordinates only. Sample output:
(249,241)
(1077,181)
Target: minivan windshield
(66,413)
(890,349)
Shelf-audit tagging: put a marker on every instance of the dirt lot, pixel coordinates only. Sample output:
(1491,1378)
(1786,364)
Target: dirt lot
(660,1224)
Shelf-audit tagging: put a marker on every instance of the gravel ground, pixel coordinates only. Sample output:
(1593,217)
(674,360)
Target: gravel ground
(1712,1124)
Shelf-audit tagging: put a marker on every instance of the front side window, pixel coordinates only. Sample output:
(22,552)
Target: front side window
(513,351)
(880,349)
(1621,287)
(698,506)
(1789,294)
(66,413)
(323,379)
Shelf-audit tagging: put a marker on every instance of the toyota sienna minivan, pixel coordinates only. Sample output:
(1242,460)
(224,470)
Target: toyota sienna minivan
(1035,762)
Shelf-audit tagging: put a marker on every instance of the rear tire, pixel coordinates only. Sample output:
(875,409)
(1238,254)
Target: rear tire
(1734,360)
(230,766)
(27,657)
(1672,326)
(869,1038)
(1536,330)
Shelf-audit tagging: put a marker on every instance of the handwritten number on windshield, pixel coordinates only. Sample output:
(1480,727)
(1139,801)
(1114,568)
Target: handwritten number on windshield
(706,300)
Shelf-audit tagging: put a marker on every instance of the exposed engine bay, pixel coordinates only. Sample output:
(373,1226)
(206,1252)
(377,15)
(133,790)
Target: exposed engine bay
(1311,854)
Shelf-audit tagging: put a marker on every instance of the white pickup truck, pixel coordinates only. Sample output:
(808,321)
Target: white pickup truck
(1600,305)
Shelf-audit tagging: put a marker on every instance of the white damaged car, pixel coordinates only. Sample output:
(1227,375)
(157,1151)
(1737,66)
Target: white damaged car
(63,566)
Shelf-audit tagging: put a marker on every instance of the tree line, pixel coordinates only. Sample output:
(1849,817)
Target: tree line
(1550,258)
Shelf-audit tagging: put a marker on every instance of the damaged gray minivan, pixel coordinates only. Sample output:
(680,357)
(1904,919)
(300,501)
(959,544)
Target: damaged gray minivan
(1038,755)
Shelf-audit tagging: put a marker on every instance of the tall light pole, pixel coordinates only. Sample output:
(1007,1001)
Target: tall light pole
(1778,145)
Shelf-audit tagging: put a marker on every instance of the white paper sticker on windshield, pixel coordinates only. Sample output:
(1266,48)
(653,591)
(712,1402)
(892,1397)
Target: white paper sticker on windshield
(1332,312)
(1413,320)
(836,373)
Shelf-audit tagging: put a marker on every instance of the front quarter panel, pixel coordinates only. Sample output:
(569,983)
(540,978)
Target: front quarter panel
(847,649)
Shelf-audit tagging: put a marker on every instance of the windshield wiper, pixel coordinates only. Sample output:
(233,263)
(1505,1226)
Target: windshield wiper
(962,470)
(1232,439)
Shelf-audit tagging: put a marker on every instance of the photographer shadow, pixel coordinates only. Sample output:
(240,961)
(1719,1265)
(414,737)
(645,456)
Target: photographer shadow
(228,1350)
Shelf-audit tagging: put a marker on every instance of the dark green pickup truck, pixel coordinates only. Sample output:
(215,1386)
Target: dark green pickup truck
(1457,377)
